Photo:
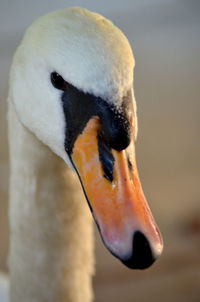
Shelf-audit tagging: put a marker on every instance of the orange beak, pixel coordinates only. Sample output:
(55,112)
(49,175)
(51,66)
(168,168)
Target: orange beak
(117,201)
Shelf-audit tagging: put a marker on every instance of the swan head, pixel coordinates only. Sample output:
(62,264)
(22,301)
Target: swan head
(71,85)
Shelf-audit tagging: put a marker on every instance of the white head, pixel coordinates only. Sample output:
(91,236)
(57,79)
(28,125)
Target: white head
(95,62)
(78,45)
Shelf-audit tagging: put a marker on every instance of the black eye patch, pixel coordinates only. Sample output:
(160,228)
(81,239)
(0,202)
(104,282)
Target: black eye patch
(58,82)
(79,107)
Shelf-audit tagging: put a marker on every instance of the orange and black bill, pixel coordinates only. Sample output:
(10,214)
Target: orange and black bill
(104,157)
(116,198)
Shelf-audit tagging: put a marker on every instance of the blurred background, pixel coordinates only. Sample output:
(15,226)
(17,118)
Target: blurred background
(165,35)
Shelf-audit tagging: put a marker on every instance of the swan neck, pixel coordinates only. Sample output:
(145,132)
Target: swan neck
(51,246)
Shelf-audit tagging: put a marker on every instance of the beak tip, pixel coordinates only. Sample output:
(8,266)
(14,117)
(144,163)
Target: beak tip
(142,255)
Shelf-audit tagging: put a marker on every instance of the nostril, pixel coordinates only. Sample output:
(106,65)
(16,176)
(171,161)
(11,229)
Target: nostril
(142,256)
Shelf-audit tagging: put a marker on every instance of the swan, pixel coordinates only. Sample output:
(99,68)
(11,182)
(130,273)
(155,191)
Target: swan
(72,112)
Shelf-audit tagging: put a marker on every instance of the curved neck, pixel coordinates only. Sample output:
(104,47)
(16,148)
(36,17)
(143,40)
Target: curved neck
(51,247)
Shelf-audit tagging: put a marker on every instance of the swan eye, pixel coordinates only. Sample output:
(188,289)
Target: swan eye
(57,81)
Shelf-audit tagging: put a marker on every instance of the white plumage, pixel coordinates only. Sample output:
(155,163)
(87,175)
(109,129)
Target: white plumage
(4,288)
(56,264)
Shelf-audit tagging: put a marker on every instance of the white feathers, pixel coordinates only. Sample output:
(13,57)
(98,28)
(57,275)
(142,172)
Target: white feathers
(4,288)
(86,49)
(92,54)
